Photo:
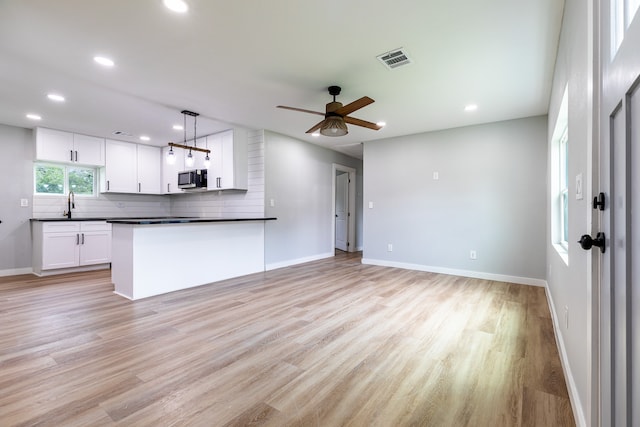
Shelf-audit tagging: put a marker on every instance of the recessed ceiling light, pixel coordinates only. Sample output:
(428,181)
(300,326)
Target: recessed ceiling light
(177,127)
(176,5)
(145,138)
(382,124)
(55,97)
(471,107)
(102,60)
(33,116)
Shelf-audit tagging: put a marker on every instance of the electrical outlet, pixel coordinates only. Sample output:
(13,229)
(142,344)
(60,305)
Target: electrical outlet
(370,205)
(566,316)
(473,255)
(24,203)
(389,247)
(272,203)
(436,176)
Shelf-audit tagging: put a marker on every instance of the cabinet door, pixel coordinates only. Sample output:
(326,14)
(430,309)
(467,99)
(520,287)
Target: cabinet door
(121,175)
(95,247)
(88,150)
(214,175)
(148,169)
(170,172)
(60,250)
(54,145)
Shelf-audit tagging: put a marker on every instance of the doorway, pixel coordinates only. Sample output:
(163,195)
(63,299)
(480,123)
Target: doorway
(343,213)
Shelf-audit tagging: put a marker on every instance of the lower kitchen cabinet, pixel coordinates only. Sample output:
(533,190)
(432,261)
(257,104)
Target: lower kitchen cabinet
(62,245)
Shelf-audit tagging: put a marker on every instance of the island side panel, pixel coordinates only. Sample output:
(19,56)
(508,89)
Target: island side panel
(122,259)
(170,257)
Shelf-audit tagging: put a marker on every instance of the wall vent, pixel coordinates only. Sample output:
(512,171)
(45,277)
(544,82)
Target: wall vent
(395,58)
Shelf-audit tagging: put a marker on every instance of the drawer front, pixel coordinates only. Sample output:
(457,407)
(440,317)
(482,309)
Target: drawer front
(95,226)
(60,227)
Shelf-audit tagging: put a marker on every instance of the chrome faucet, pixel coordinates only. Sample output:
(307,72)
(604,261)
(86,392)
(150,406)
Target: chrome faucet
(71,204)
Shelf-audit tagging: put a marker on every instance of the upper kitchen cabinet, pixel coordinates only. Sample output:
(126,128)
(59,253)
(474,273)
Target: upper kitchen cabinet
(131,168)
(170,172)
(66,147)
(229,160)
(149,174)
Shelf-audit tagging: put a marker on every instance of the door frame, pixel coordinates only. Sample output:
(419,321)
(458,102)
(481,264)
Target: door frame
(351,222)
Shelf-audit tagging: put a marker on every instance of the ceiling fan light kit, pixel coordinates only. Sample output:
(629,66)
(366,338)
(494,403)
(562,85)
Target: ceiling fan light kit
(336,115)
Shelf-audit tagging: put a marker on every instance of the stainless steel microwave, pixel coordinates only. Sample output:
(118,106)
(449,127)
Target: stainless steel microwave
(196,178)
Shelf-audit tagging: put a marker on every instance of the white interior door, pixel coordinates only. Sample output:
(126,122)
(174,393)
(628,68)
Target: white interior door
(619,170)
(342,205)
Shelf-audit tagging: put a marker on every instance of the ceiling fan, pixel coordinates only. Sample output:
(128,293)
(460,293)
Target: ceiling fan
(337,115)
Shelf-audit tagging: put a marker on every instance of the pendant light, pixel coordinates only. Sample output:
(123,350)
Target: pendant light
(189,160)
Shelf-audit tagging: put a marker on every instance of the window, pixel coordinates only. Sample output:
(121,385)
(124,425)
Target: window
(559,190)
(60,179)
(564,189)
(622,14)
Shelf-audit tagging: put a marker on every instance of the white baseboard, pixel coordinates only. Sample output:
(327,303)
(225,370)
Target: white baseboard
(455,272)
(16,271)
(574,397)
(274,265)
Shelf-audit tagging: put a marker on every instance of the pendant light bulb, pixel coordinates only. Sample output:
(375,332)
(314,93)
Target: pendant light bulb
(171,157)
(207,161)
(189,160)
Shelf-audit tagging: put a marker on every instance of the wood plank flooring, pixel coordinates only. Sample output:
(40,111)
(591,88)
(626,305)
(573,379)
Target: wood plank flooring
(327,343)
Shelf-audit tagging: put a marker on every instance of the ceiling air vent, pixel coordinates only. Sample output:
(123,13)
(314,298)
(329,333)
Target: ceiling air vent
(394,59)
(121,133)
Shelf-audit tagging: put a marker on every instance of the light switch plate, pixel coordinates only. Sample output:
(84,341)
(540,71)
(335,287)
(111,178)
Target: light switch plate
(579,195)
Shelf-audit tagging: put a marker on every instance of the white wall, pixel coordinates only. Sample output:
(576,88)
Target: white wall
(490,197)
(298,177)
(568,284)
(16,176)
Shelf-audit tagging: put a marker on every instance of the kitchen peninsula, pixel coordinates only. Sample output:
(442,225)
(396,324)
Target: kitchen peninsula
(159,255)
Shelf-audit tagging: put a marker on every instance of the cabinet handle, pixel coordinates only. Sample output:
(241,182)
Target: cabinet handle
(168,187)
(71,155)
(139,186)
(83,238)
(219,182)
(76,155)
(107,185)
(77,239)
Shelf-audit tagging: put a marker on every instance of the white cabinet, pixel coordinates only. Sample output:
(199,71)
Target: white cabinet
(131,168)
(170,172)
(70,244)
(120,174)
(148,168)
(229,160)
(65,147)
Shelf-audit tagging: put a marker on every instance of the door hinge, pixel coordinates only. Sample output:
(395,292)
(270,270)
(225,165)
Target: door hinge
(347,244)
(348,213)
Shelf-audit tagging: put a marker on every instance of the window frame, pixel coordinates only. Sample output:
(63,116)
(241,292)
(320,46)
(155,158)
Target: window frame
(563,189)
(66,185)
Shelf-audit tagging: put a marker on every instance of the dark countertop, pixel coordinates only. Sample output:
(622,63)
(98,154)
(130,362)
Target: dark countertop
(174,220)
(152,220)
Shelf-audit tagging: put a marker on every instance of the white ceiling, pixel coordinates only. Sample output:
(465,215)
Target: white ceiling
(234,61)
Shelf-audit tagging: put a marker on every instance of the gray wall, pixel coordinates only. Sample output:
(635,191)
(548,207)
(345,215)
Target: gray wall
(490,197)
(568,285)
(16,176)
(298,177)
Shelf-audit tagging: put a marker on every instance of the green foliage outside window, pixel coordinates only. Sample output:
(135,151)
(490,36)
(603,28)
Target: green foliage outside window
(54,179)
(81,180)
(49,179)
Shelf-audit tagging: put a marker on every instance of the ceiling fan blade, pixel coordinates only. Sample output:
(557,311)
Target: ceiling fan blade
(301,110)
(355,105)
(363,123)
(316,127)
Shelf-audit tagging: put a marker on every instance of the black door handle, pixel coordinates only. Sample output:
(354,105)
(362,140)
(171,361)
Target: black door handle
(586,242)
(598,202)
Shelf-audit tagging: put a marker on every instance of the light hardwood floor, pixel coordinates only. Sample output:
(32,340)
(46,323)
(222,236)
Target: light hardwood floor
(327,343)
